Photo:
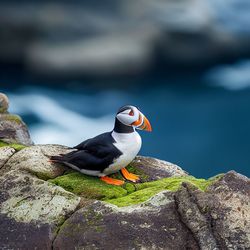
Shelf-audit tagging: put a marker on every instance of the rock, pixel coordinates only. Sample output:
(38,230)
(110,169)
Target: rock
(48,203)
(157,169)
(230,213)
(194,219)
(152,225)
(5,154)
(20,235)
(4,103)
(31,210)
(35,160)
(14,130)
(220,217)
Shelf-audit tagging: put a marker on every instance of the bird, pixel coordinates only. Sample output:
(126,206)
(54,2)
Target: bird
(112,151)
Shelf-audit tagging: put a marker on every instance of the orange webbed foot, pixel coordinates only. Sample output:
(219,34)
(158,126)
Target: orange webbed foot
(129,176)
(112,181)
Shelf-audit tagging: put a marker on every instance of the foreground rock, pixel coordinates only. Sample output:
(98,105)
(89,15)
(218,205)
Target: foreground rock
(152,225)
(219,218)
(31,211)
(45,206)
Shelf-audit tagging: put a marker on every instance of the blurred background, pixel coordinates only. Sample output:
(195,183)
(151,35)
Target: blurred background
(67,67)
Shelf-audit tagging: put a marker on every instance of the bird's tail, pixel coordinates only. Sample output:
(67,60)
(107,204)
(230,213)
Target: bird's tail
(56,158)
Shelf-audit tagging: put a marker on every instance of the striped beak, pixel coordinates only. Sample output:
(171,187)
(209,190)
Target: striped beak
(142,123)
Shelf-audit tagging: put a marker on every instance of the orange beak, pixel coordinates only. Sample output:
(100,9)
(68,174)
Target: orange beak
(145,124)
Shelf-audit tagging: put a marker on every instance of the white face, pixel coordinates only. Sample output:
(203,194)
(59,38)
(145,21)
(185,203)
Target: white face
(129,116)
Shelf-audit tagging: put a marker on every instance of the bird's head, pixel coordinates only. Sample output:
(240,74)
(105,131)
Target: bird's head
(131,116)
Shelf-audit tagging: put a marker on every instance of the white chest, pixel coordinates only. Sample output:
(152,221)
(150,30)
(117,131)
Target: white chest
(129,144)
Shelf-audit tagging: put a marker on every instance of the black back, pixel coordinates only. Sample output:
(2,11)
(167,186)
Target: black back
(93,154)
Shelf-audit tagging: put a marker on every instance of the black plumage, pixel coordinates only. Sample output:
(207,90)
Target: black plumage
(94,154)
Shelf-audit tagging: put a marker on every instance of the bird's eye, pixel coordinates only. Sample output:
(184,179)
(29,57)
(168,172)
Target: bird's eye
(131,113)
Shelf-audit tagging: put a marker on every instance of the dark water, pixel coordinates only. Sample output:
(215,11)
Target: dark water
(203,129)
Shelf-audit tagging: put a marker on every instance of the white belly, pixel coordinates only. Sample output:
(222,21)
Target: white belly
(129,144)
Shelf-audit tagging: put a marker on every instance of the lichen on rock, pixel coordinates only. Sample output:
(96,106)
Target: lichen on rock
(14,130)
(28,199)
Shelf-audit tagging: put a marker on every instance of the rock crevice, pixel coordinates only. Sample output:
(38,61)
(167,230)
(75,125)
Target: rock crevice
(193,217)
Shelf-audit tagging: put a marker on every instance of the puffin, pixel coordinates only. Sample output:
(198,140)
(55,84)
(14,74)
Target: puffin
(110,152)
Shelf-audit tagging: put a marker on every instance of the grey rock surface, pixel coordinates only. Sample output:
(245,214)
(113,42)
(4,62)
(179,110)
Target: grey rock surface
(157,169)
(5,154)
(31,211)
(14,130)
(152,225)
(35,160)
(220,217)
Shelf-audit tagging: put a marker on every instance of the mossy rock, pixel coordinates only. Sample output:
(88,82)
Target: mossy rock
(4,103)
(14,130)
(13,118)
(129,193)
(16,146)
(146,190)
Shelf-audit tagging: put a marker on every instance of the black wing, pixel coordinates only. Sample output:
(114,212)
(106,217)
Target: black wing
(93,154)
(100,146)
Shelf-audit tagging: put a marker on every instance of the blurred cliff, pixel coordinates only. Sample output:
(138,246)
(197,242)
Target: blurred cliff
(109,38)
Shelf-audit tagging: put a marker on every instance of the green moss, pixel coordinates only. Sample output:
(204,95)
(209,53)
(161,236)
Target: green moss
(148,189)
(16,146)
(88,186)
(129,193)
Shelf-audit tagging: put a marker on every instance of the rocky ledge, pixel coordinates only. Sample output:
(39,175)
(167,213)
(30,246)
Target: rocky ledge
(47,206)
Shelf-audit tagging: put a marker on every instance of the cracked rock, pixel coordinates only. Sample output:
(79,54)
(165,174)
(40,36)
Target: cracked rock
(154,224)
(31,210)
(5,154)
(220,217)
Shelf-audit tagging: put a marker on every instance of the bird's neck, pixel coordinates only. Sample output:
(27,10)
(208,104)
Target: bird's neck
(122,128)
